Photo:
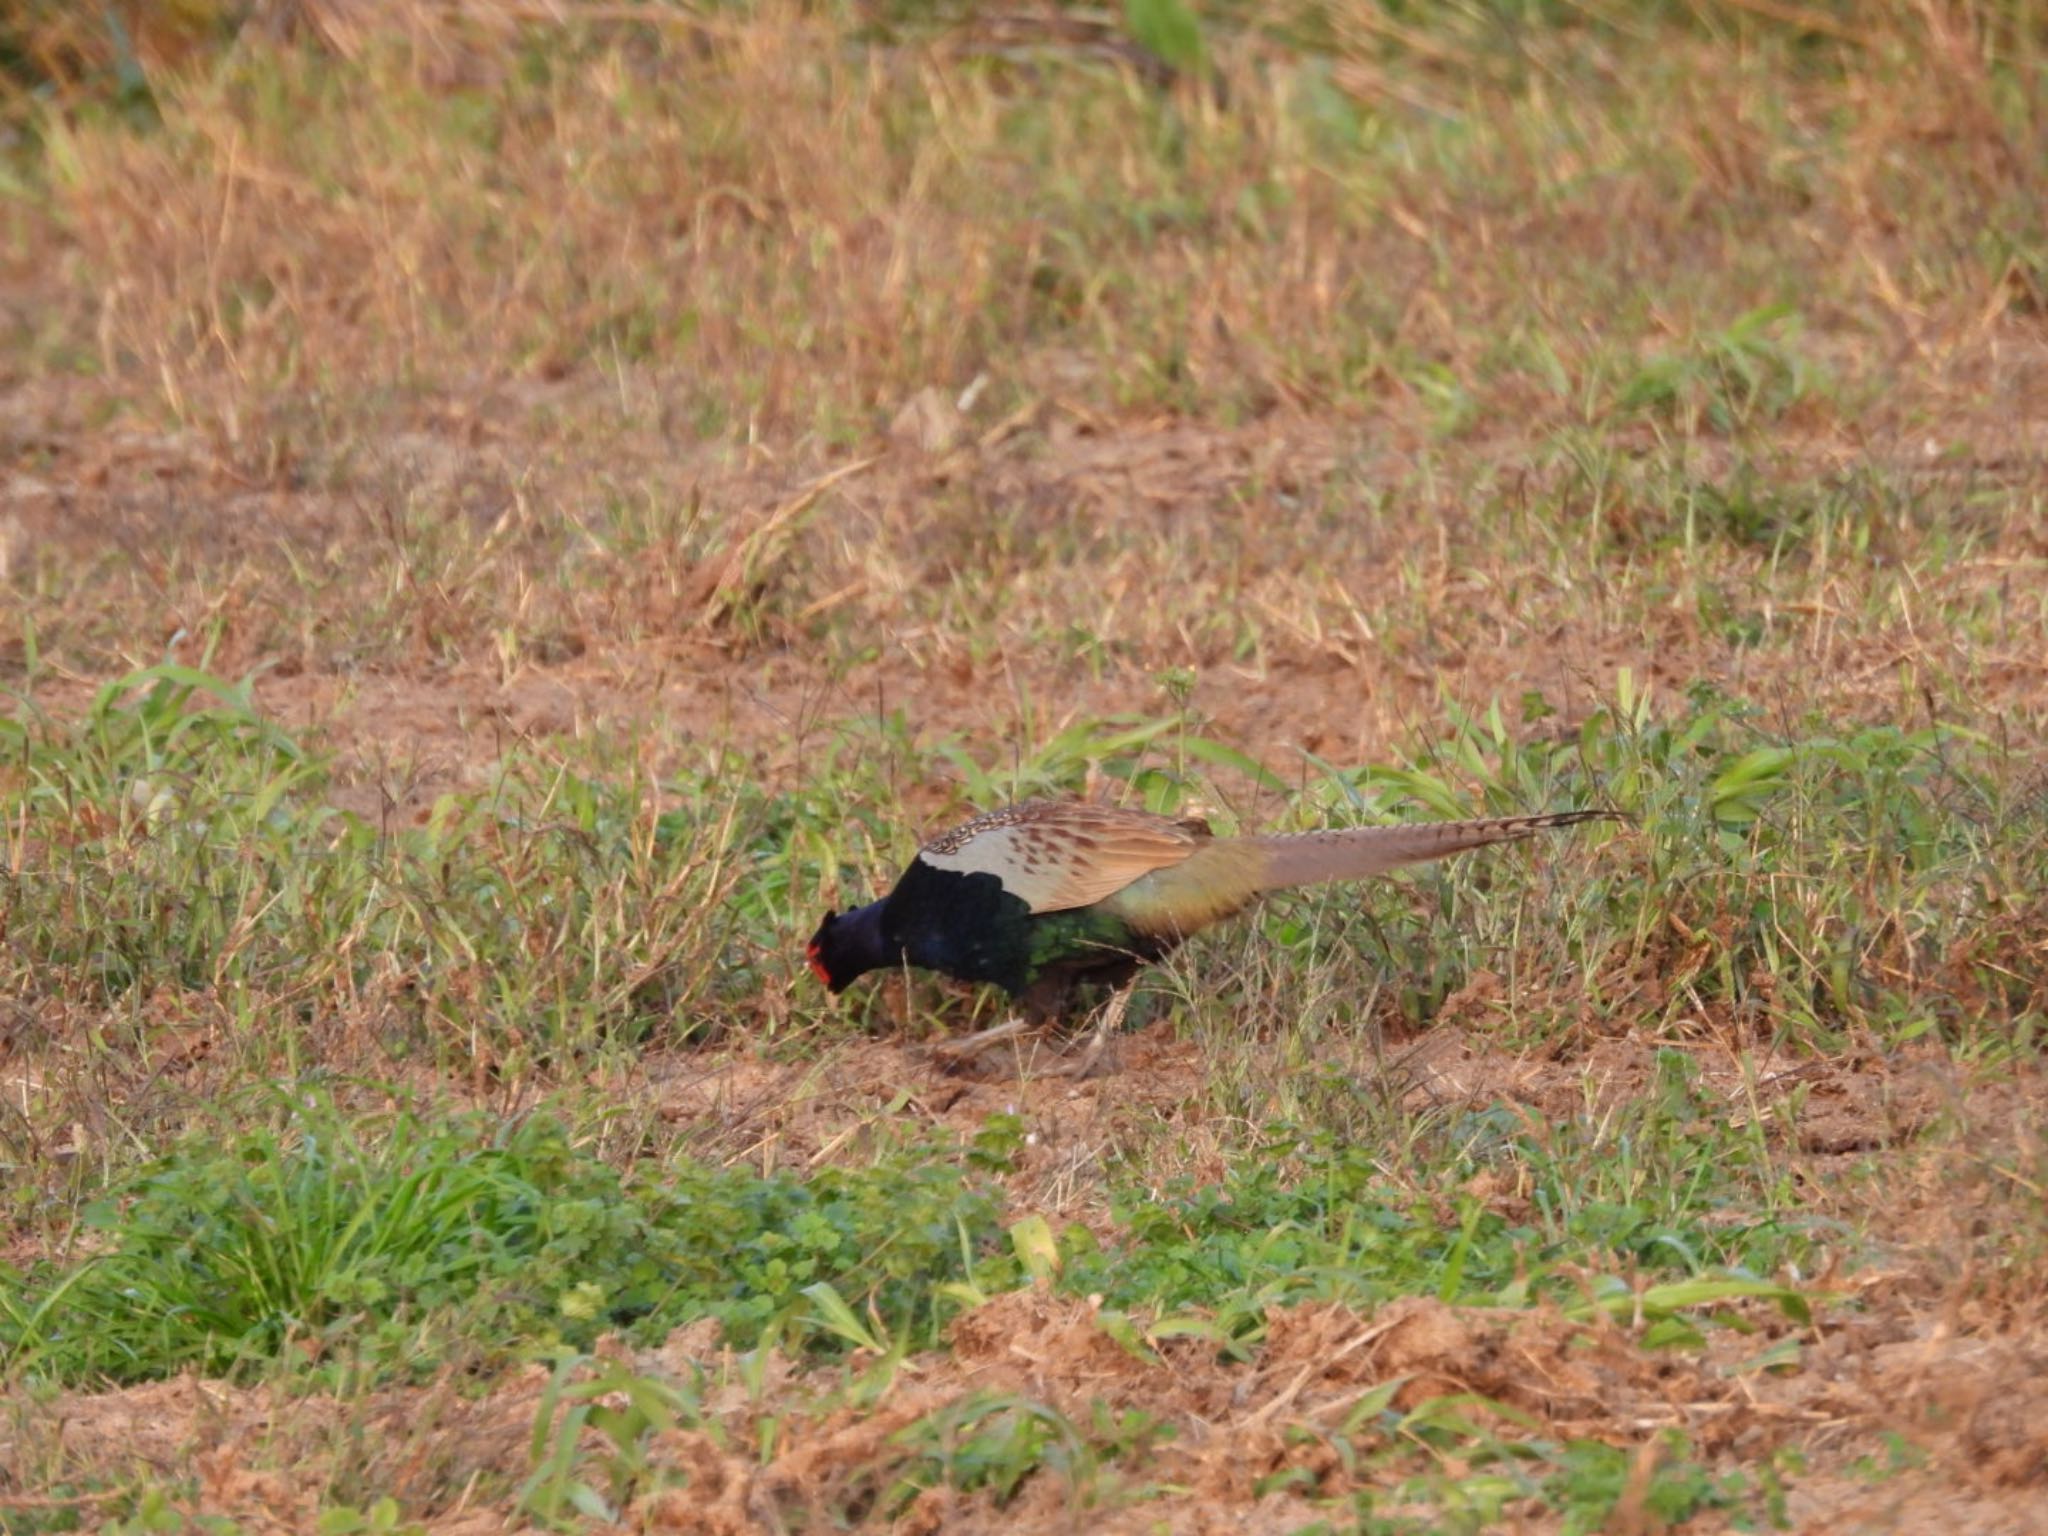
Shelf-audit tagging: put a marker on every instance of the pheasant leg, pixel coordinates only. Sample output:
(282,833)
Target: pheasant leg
(957,1053)
(1107,1023)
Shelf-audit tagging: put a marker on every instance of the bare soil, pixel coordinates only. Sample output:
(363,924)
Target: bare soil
(1974,1408)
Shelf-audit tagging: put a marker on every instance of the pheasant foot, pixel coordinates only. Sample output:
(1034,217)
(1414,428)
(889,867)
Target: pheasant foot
(954,1054)
(1106,1024)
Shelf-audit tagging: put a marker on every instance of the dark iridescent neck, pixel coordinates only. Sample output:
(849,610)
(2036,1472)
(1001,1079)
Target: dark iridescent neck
(858,943)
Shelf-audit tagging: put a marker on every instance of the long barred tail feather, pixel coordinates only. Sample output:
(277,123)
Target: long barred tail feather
(1352,853)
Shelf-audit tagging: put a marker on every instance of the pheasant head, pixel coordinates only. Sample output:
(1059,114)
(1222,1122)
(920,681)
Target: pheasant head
(849,945)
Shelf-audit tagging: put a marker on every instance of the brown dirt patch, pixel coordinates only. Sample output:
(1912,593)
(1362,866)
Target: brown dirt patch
(1362,630)
(1971,1410)
(1859,1102)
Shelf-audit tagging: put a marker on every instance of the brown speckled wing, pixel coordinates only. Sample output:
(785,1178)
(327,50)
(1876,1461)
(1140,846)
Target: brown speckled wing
(1058,854)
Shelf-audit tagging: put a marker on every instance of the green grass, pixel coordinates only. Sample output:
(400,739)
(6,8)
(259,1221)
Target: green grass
(390,1252)
(329,1256)
(394,1249)
(173,835)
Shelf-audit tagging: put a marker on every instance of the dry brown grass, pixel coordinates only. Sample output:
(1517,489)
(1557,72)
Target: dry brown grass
(347,300)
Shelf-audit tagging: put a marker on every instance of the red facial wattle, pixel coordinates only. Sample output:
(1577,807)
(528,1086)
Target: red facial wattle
(817,964)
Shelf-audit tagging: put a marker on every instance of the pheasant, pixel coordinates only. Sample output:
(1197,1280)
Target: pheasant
(1043,894)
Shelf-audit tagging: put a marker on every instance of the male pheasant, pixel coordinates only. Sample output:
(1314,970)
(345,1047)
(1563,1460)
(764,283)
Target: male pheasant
(1039,895)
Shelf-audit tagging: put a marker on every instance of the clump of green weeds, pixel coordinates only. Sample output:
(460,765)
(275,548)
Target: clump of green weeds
(176,837)
(1801,881)
(401,1247)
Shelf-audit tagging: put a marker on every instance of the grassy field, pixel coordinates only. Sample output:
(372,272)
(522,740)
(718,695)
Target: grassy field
(510,510)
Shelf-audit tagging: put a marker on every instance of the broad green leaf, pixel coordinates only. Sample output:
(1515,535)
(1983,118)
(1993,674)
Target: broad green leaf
(1215,753)
(1036,1248)
(830,1311)
(1168,29)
